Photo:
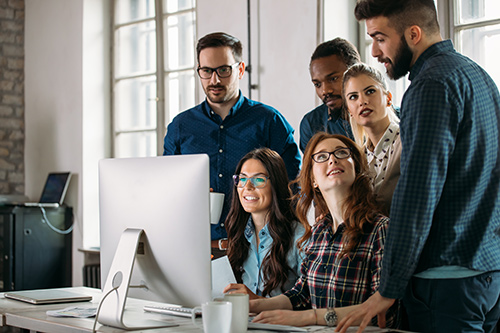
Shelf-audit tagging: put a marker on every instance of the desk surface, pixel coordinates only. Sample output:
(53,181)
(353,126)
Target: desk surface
(34,317)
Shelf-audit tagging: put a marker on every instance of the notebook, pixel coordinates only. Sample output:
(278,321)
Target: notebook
(54,190)
(47,296)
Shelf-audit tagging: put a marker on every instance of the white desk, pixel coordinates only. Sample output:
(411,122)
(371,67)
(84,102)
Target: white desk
(34,318)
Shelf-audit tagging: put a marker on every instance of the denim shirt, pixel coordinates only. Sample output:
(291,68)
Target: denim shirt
(252,276)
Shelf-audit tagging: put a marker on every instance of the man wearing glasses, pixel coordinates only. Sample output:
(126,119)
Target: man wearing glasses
(228,125)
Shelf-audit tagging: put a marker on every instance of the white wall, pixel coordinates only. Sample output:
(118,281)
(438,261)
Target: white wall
(283,38)
(66,85)
(53,101)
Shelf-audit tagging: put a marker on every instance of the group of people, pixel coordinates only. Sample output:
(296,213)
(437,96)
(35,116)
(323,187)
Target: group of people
(407,205)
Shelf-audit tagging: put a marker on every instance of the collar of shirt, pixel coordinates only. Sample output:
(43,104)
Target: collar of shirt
(439,47)
(264,235)
(384,145)
(335,114)
(234,110)
(326,226)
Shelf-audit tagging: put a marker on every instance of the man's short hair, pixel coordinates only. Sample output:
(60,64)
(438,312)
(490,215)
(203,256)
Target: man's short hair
(220,39)
(339,47)
(401,13)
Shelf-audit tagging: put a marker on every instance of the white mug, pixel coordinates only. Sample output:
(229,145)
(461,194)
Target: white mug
(216,203)
(239,319)
(216,317)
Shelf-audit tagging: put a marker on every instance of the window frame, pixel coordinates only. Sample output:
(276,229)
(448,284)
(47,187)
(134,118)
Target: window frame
(161,73)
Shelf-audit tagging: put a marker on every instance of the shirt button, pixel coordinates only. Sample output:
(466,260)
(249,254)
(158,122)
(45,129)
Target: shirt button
(263,233)
(262,246)
(220,175)
(222,224)
(221,127)
(220,150)
(212,112)
(255,284)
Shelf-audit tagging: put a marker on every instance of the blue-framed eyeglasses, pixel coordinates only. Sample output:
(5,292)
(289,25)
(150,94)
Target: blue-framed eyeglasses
(257,181)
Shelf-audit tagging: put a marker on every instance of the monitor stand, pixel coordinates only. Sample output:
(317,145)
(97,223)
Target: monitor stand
(117,285)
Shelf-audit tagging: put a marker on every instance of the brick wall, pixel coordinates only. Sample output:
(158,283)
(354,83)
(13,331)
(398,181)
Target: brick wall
(11,96)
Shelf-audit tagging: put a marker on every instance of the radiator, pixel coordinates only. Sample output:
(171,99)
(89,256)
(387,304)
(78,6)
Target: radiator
(92,276)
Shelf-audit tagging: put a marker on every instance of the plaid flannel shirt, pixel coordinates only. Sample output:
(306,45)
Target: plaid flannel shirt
(328,280)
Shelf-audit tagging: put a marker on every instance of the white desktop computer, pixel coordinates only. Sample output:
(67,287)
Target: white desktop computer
(155,233)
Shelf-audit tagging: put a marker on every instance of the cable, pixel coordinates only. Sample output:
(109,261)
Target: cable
(99,307)
(59,231)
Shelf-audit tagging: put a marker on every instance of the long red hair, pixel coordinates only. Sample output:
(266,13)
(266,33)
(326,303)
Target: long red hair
(359,208)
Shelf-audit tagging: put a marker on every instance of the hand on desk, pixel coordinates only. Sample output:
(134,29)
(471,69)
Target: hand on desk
(239,288)
(286,317)
(376,305)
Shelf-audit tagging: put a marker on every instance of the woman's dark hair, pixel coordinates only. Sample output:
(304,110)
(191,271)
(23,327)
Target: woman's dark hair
(281,219)
(359,207)
(220,39)
(401,13)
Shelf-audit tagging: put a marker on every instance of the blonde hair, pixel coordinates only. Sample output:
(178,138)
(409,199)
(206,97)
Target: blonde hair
(357,70)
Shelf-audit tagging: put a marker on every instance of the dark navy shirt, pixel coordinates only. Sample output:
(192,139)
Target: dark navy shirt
(320,120)
(446,207)
(249,125)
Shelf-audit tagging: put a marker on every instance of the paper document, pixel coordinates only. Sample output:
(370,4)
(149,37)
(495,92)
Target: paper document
(77,312)
(222,275)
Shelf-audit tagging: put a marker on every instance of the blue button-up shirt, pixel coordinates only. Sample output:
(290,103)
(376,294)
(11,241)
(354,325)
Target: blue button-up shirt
(252,276)
(320,120)
(249,125)
(446,207)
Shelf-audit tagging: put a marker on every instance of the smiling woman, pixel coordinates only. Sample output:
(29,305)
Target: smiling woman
(262,228)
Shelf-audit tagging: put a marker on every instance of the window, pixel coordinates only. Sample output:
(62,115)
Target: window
(153,71)
(476,32)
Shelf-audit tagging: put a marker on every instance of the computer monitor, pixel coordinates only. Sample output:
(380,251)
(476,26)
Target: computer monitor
(154,211)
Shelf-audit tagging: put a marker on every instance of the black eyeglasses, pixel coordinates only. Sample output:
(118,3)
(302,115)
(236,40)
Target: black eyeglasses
(324,156)
(222,71)
(257,181)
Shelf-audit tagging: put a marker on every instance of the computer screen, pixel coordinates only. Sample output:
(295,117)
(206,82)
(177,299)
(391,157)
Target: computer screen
(55,187)
(168,199)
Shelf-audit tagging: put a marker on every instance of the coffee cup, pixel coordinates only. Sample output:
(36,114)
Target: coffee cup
(239,318)
(216,317)
(216,204)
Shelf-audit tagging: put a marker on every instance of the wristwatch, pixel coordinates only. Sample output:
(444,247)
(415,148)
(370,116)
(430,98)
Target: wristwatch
(331,317)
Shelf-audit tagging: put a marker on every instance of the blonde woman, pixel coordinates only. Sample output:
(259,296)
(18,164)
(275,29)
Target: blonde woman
(375,126)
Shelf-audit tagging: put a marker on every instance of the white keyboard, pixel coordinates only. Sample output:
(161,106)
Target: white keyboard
(171,309)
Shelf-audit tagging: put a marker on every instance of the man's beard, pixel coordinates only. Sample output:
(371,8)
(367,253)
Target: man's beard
(402,61)
(221,98)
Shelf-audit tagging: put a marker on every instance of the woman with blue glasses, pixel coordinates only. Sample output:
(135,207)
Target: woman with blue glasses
(262,227)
